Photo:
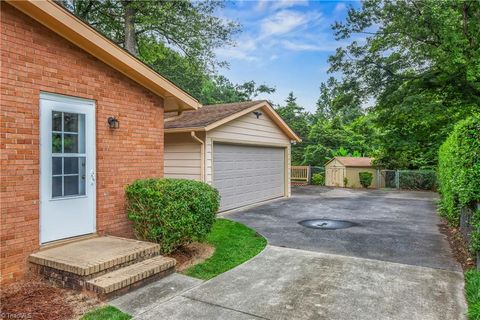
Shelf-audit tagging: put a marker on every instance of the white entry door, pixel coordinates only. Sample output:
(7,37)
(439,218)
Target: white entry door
(67,167)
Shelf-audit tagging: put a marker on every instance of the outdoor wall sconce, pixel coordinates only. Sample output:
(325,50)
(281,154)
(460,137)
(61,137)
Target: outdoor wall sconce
(113,123)
(257,113)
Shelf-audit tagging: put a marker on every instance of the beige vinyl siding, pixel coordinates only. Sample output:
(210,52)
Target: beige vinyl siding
(247,130)
(334,174)
(182,156)
(335,171)
(354,178)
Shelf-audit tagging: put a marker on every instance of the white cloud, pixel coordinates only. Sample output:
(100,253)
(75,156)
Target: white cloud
(340,7)
(261,5)
(282,4)
(285,21)
(243,51)
(279,4)
(320,45)
(235,53)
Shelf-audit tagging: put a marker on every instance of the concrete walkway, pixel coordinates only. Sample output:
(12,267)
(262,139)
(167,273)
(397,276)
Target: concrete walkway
(307,279)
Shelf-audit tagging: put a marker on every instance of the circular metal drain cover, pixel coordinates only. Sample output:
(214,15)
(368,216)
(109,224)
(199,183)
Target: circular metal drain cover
(327,224)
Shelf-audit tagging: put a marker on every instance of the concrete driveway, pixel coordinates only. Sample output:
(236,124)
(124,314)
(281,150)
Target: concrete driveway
(394,265)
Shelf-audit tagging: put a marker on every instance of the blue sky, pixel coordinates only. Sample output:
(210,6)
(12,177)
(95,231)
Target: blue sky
(284,44)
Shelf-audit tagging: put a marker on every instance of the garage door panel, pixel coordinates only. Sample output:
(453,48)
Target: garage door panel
(247,174)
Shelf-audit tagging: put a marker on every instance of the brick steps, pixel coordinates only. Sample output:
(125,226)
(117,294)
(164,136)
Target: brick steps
(108,266)
(111,282)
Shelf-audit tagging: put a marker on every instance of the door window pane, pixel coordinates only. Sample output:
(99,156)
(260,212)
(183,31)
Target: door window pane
(57,143)
(56,165)
(70,185)
(70,143)
(56,121)
(70,165)
(56,187)
(68,137)
(83,176)
(70,122)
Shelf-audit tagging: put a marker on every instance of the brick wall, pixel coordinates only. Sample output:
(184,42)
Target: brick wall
(34,59)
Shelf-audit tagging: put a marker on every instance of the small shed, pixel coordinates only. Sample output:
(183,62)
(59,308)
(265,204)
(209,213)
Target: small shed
(339,168)
(242,149)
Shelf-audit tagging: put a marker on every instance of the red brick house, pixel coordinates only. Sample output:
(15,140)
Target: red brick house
(79,119)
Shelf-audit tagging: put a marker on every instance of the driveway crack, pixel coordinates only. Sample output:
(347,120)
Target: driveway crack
(220,306)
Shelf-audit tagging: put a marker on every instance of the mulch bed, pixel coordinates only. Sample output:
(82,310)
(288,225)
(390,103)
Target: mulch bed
(38,300)
(192,254)
(458,245)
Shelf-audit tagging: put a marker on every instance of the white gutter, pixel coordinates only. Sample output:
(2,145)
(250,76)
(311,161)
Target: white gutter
(202,155)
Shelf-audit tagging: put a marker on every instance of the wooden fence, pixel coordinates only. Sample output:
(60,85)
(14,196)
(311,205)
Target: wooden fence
(300,174)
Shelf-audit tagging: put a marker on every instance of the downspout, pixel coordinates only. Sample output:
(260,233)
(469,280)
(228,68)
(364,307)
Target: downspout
(202,155)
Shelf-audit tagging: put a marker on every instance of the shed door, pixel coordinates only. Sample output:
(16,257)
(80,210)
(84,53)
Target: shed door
(248,174)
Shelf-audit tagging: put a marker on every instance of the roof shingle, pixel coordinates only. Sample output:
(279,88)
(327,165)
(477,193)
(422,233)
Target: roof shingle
(206,115)
(355,161)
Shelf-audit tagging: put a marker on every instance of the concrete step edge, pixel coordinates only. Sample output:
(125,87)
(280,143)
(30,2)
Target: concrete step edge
(126,276)
(153,250)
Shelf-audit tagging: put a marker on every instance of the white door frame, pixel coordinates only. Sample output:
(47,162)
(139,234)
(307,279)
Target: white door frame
(66,216)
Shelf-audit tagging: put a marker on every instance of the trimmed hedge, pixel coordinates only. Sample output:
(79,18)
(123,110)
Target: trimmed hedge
(459,174)
(171,212)
(365,179)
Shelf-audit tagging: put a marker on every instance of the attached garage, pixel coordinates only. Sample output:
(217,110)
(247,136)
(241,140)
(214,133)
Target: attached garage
(242,149)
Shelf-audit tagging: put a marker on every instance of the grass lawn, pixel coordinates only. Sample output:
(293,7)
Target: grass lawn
(106,313)
(234,244)
(472,292)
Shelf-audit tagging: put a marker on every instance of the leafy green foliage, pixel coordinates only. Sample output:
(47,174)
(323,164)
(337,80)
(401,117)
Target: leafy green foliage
(318,179)
(420,62)
(234,244)
(345,182)
(176,38)
(472,293)
(171,212)
(104,313)
(365,179)
(188,27)
(418,180)
(296,117)
(459,172)
(330,138)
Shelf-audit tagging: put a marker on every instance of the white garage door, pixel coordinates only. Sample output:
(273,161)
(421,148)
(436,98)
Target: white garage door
(247,174)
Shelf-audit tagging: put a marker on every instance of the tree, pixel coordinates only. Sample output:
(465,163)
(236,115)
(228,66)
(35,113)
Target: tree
(421,62)
(339,99)
(299,120)
(331,137)
(188,27)
(176,38)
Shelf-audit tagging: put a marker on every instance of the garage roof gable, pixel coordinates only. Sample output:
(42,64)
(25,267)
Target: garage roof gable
(212,116)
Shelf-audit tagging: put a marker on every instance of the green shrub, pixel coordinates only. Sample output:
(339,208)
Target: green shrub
(345,182)
(171,212)
(472,293)
(459,173)
(365,179)
(318,179)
